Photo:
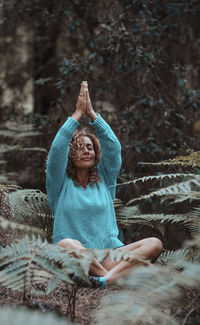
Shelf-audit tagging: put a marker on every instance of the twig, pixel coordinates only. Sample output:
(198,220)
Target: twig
(188,315)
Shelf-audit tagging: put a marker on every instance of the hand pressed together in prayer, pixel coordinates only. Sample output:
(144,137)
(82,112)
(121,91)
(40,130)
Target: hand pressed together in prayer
(84,105)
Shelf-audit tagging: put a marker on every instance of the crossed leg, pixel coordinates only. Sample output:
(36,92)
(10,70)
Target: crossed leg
(149,249)
(146,249)
(95,268)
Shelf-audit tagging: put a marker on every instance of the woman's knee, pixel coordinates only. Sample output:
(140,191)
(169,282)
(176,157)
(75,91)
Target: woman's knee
(70,243)
(155,246)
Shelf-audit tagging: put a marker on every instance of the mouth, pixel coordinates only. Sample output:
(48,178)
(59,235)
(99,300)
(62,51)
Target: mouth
(86,159)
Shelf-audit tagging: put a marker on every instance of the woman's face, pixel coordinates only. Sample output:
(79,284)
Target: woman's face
(84,155)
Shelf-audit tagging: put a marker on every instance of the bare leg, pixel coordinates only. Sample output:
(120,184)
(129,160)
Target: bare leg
(95,268)
(148,249)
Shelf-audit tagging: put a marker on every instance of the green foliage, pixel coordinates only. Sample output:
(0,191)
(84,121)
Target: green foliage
(189,189)
(173,257)
(8,225)
(124,309)
(152,291)
(31,207)
(149,288)
(29,263)
(146,53)
(26,207)
(191,160)
(20,316)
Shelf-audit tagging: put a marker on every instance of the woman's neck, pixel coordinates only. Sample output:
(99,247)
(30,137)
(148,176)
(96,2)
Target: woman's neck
(83,177)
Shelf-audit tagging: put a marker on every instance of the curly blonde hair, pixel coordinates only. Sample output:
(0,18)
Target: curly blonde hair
(93,173)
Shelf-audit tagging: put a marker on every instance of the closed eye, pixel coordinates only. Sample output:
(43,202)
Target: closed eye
(89,147)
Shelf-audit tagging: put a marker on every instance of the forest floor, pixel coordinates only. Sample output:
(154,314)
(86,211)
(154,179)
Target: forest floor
(80,304)
(59,301)
(87,300)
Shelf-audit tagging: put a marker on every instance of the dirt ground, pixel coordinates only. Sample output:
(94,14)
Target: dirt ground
(58,301)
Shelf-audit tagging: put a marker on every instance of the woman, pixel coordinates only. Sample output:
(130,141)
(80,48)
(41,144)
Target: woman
(80,179)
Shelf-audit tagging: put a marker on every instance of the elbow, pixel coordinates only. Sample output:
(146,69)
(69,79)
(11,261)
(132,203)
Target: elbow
(118,147)
(120,163)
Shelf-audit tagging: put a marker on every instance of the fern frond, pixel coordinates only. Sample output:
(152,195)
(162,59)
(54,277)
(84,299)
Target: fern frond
(19,133)
(151,286)
(2,162)
(124,308)
(22,316)
(37,149)
(25,127)
(7,178)
(31,207)
(9,148)
(7,133)
(194,246)
(158,282)
(126,218)
(190,275)
(118,203)
(6,224)
(158,177)
(176,189)
(9,187)
(196,211)
(27,134)
(31,262)
(175,257)
(192,160)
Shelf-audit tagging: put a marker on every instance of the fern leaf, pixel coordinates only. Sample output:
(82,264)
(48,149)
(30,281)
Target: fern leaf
(174,257)
(176,189)
(6,224)
(153,284)
(7,133)
(30,262)
(7,178)
(192,160)
(150,285)
(117,203)
(9,148)
(25,127)
(31,207)
(37,149)
(22,316)
(124,308)
(27,134)
(126,218)
(158,177)
(19,133)
(2,162)
(10,187)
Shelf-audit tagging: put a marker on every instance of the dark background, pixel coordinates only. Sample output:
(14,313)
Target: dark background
(141,61)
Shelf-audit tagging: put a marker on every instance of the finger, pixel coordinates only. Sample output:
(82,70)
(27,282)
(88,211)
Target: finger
(88,97)
(84,84)
(83,89)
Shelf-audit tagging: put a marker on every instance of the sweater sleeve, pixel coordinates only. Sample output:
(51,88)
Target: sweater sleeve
(110,163)
(58,159)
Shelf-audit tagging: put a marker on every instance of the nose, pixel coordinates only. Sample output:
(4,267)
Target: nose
(85,150)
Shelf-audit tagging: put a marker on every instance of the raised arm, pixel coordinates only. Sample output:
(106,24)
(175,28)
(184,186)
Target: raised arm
(110,163)
(58,154)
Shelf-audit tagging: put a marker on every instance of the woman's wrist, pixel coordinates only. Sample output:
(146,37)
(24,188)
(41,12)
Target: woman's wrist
(77,115)
(92,115)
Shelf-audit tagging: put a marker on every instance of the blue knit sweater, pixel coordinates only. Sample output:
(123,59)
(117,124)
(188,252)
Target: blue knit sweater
(87,214)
